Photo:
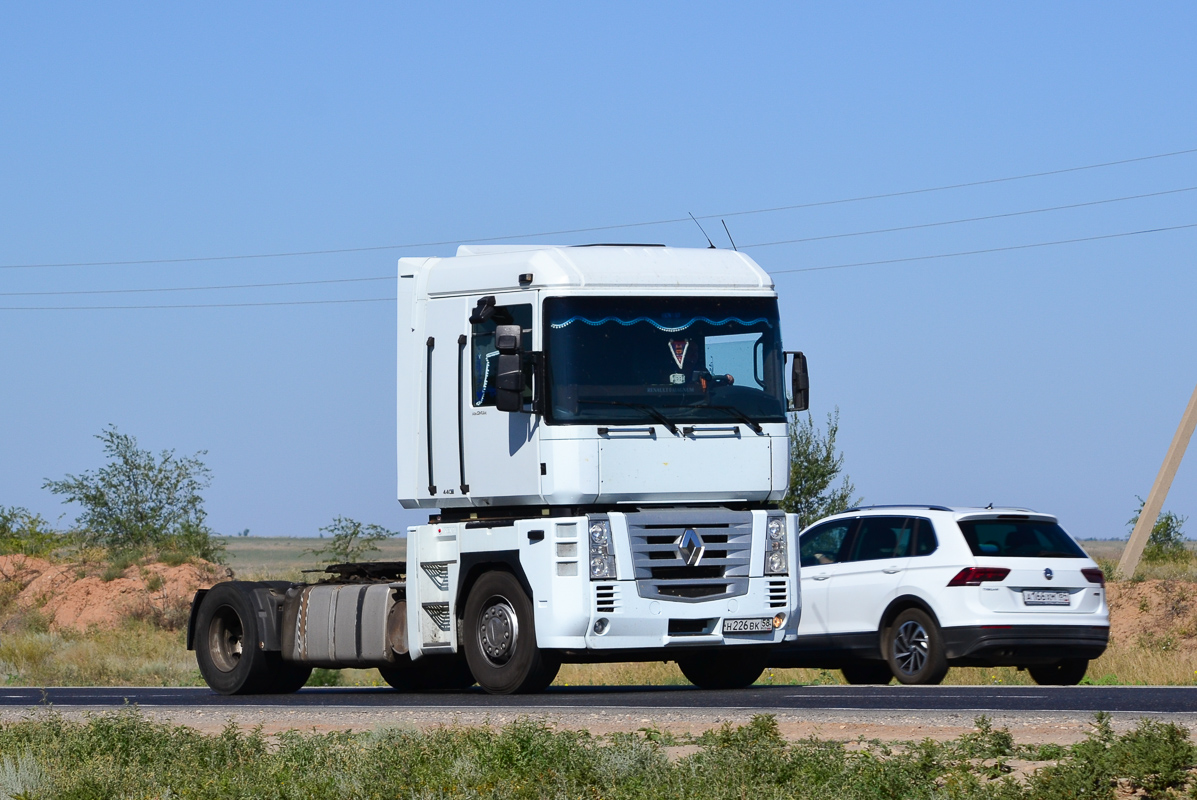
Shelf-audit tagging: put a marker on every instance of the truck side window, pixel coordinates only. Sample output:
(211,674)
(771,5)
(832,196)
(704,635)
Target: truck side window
(824,544)
(925,542)
(484,355)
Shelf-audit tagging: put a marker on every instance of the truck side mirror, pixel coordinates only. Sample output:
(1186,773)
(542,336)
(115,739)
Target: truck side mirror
(799,383)
(483,311)
(509,376)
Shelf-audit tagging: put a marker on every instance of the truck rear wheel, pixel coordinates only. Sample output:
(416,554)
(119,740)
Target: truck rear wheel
(726,668)
(226,638)
(429,674)
(500,638)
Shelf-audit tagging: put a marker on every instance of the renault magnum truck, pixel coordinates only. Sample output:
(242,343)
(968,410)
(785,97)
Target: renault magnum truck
(599,434)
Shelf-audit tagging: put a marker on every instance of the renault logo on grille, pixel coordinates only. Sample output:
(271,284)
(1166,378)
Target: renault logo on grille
(690,547)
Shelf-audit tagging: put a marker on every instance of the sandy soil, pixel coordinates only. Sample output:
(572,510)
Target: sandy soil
(75,597)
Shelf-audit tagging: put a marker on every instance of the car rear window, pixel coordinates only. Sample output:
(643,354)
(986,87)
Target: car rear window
(1019,539)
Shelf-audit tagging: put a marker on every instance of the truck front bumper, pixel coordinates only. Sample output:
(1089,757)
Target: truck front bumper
(622,620)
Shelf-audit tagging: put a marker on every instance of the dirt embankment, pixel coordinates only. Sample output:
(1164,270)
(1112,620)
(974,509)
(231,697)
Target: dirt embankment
(1151,613)
(1156,614)
(73,596)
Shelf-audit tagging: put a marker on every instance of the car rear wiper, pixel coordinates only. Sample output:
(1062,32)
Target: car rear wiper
(647,409)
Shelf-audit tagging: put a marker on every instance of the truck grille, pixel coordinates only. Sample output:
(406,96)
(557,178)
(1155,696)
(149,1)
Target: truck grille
(660,570)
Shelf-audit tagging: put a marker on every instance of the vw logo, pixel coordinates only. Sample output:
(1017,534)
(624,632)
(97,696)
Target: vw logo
(690,547)
(1047,573)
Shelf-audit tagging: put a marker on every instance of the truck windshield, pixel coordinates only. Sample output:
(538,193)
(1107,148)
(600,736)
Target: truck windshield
(630,360)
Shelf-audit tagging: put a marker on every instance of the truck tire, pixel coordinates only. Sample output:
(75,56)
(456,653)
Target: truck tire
(1067,672)
(726,668)
(914,648)
(429,674)
(283,677)
(225,637)
(868,673)
(499,633)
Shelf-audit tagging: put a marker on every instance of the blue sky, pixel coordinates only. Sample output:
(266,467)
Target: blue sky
(1051,377)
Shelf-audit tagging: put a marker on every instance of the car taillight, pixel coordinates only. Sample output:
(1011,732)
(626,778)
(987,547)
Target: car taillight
(975,576)
(1094,575)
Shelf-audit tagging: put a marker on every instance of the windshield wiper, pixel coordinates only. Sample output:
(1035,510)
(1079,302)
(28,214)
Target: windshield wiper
(740,415)
(737,413)
(647,409)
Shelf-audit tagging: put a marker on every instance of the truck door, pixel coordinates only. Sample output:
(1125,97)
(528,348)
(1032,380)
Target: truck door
(502,450)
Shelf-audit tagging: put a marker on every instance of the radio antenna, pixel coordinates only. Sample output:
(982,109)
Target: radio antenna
(733,241)
(704,233)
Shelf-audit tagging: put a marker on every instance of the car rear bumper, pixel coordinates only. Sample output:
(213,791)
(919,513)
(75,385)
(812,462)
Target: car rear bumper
(1018,645)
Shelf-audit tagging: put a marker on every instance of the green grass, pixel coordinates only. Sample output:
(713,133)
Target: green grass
(124,754)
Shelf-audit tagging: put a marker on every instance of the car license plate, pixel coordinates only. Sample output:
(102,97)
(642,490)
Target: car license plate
(753,625)
(1030,598)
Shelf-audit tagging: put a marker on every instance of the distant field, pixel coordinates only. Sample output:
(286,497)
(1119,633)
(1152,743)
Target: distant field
(283,557)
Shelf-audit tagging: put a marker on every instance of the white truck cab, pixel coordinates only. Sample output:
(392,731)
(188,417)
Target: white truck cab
(601,431)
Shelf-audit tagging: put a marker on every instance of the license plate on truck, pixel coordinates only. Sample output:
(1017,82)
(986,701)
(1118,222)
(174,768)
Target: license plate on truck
(752,625)
(1030,598)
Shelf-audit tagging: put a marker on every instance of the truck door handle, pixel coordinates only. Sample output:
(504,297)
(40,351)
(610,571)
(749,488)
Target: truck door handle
(891,570)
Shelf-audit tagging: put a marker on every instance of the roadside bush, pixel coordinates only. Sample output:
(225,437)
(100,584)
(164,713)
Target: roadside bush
(351,540)
(140,502)
(1167,540)
(814,466)
(124,754)
(25,533)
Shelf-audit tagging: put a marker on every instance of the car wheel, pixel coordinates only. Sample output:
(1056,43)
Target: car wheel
(914,648)
(1068,672)
(500,638)
(868,673)
(226,636)
(429,674)
(727,668)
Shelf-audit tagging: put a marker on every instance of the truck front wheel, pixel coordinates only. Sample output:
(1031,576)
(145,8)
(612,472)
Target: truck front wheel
(725,668)
(500,638)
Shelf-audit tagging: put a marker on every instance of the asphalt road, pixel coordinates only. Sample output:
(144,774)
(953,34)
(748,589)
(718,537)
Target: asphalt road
(1041,699)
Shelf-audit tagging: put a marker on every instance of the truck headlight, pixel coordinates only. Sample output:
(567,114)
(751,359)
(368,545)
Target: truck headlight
(602,559)
(777,555)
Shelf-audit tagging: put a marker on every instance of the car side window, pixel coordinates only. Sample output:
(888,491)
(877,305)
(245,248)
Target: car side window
(925,542)
(882,537)
(824,544)
(484,355)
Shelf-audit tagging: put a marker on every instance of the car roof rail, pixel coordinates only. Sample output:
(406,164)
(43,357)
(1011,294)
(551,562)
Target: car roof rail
(899,505)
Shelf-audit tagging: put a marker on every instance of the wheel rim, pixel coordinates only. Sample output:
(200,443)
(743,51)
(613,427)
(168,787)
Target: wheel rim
(226,635)
(911,647)
(498,631)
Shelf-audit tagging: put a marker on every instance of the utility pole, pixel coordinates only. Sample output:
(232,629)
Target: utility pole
(1159,490)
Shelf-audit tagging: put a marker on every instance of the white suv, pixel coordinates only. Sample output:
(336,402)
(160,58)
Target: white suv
(907,591)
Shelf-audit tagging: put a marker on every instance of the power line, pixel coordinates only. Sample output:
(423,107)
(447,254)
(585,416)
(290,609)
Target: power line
(987,250)
(840,201)
(773,272)
(971,219)
(762,244)
(199,305)
(197,288)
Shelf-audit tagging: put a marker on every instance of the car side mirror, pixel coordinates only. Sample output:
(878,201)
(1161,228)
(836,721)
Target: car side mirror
(509,376)
(799,383)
